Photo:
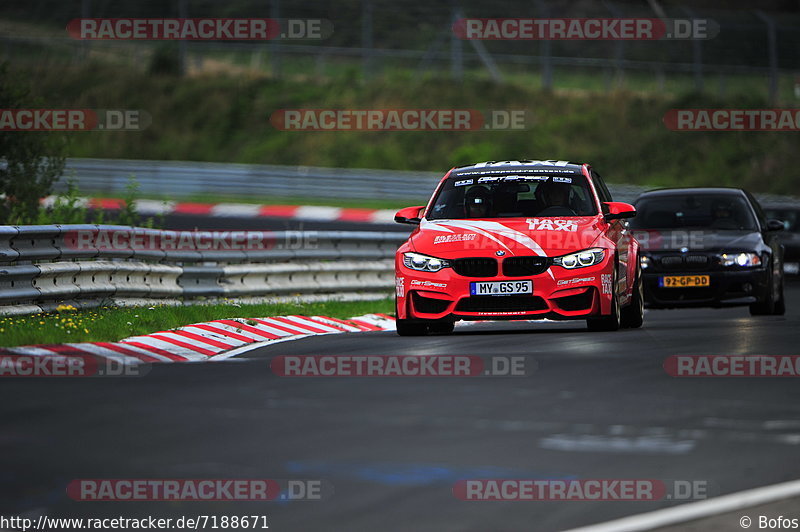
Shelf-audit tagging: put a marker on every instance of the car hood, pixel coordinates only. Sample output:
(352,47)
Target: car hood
(451,239)
(698,240)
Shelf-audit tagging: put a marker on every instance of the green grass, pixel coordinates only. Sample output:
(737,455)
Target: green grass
(112,324)
(221,118)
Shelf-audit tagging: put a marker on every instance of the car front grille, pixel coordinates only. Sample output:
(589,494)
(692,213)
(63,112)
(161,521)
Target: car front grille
(501,304)
(476,267)
(685,262)
(525,266)
(672,261)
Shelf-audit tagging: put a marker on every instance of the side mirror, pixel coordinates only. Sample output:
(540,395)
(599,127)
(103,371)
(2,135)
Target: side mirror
(775,225)
(618,211)
(409,215)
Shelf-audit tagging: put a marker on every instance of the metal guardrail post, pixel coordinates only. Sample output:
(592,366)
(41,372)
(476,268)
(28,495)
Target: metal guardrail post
(697,55)
(772,40)
(456,50)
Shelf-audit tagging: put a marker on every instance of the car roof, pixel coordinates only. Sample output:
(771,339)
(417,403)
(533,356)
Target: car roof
(521,166)
(732,191)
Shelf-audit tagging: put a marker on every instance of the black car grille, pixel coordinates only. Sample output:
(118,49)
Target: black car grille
(525,266)
(429,305)
(475,267)
(501,304)
(685,262)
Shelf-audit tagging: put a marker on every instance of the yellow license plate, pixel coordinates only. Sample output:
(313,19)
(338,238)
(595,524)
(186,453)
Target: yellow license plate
(684,281)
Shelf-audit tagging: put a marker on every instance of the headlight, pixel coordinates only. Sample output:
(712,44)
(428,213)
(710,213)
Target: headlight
(424,263)
(581,259)
(744,260)
(644,260)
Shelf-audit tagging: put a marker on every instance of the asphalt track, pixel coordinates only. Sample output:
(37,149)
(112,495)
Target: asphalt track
(598,405)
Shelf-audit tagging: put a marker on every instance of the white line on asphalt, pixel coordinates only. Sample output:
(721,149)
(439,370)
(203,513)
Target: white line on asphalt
(697,510)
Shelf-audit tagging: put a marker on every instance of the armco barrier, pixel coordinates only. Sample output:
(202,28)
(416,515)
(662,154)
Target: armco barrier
(184,179)
(16,284)
(42,266)
(7,253)
(263,279)
(37,242)
(201,281)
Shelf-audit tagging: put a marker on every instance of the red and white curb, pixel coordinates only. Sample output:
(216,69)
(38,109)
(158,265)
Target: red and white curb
(214,340)
(242,210)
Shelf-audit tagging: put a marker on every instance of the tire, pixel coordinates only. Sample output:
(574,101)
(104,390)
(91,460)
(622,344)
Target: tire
(411,328)
(765,308)
(633,314)
(613,321)
(768,306)
(441,327)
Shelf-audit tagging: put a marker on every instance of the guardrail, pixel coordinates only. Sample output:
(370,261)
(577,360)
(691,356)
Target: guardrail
(184,179)
(88,265)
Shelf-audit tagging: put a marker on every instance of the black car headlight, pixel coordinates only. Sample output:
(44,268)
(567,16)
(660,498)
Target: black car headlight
(743,260)
(580,259)
(424,263)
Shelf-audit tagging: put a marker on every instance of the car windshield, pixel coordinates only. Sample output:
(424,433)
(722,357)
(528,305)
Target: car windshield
(510,195)
(708,211)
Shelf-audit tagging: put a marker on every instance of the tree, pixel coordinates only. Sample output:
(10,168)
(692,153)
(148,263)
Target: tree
(30,162)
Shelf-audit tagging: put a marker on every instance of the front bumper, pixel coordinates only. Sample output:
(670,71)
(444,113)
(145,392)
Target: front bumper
(558,293)
(727,288)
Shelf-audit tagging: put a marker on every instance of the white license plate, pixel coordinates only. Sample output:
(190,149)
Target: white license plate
(791,268)
(500,288)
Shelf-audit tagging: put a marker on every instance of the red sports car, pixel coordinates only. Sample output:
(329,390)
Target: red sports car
(518,240)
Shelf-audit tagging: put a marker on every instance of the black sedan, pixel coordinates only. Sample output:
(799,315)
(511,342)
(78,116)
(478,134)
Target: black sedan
(709,247)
